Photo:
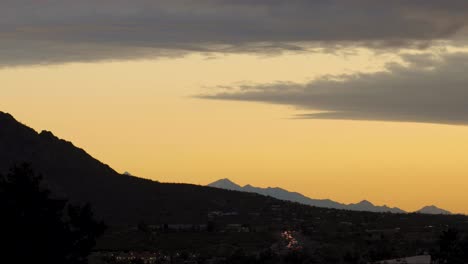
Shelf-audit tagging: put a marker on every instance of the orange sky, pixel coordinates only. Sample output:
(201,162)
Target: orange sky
(139,116)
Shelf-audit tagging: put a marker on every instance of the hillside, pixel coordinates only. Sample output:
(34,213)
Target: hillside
(124,202)
(124,199)
(71,172)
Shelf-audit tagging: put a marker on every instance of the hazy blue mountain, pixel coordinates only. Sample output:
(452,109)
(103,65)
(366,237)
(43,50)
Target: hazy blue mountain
(368,206)
(276,193)
(293,196)
(432,209)
(297,197)
(226,184)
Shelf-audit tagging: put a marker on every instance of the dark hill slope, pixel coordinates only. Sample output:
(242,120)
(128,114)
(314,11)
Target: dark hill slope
(123,199)
(69,171)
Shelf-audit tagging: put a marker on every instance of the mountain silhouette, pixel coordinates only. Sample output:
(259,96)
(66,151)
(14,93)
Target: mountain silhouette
(432,209)
(226,184)
(72,173)
(117,198)
(282,194)
(277,193)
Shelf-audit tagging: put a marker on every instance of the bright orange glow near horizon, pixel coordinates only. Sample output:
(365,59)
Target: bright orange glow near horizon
(139,116)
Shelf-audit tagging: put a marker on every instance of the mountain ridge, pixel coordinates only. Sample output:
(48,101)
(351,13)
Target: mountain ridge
(283,194)
(71,173)
(432,209)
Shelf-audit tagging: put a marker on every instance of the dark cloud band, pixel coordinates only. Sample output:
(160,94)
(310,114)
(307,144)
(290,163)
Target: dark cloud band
(427,88)
(53,31)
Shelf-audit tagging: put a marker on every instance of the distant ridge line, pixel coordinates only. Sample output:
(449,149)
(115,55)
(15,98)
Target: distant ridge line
(283,194)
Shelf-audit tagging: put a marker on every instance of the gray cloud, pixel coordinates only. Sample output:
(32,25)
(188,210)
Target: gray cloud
(56,31)
(426,88)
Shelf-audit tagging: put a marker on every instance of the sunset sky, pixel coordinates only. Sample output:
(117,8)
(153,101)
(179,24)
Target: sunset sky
(347,100)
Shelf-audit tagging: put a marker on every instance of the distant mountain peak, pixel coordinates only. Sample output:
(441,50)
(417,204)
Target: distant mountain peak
(365,202)
(225,184)
(365,205)
(286,195)
(432,209)
(283,194)
(226,181)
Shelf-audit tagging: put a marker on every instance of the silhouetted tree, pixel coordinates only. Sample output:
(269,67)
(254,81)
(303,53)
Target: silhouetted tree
(240,257)
(453,248)
(211,226)
(36,228)
(143,227)
(267,256)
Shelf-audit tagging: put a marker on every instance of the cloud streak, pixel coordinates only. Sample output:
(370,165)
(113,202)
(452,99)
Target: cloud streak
(426,88)
(53,31)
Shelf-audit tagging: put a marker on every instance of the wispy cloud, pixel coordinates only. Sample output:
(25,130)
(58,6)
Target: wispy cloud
(52,31)
(426,88)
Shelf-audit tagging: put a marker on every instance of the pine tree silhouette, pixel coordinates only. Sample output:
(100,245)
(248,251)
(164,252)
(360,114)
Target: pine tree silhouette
(36,228)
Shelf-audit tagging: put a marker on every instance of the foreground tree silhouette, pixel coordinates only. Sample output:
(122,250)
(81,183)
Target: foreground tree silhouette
(453,248)
(35,228)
